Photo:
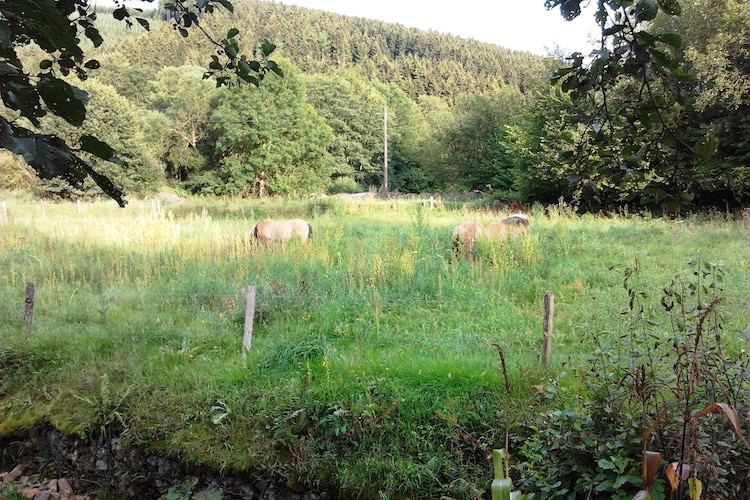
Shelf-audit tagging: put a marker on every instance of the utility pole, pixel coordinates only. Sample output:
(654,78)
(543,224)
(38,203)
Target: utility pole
(385,152)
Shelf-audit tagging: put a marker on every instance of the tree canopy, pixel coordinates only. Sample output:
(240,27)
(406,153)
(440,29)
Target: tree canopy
(648,137)
(654,115)
(58,27)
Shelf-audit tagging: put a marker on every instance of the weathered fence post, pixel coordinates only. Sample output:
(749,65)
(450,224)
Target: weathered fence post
(549,313)
(28,313)
(247,338)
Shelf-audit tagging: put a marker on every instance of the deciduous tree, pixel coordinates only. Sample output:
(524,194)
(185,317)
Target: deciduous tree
(632,147)
(58,28)
(269,141)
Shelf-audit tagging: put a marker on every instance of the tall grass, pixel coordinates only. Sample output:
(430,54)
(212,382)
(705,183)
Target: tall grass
(373,370)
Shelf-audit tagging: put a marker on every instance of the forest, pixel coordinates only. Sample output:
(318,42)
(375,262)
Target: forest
(461,115)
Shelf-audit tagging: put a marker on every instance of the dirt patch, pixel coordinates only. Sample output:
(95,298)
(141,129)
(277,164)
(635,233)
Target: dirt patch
(46,462)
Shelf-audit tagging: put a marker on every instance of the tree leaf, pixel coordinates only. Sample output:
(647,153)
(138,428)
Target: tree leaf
(646,10)
(227,5)
(120,13)
(267,48)
(63,99)
(144,23)
(96,147)
(605,464)
(93,34)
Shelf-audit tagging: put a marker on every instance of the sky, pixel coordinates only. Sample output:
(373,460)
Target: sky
(523,25)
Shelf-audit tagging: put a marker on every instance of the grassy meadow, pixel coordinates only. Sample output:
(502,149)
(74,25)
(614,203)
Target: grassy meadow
(373,371)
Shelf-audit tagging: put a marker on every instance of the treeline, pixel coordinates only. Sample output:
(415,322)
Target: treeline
(462,115)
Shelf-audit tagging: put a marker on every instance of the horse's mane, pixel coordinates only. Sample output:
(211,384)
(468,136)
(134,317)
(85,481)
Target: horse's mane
(519,219)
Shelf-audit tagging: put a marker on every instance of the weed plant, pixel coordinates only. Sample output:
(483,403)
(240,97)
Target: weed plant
(661,381)
(373,371)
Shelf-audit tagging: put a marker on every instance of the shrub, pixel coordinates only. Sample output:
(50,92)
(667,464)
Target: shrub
(344,185)
(654,386)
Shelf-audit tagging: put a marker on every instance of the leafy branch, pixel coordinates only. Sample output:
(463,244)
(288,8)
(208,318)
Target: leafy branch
(58,27)
(630,144)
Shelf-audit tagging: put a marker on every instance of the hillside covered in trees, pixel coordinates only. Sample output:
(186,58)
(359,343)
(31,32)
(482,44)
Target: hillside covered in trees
(462,115)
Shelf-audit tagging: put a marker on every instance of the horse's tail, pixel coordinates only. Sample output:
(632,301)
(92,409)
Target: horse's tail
(309,231)
(254,231)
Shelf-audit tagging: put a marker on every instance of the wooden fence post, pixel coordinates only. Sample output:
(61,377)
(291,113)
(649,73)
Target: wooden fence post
(28,313)
(247,338)
(549,313)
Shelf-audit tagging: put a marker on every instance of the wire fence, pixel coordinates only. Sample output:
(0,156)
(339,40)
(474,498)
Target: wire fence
(267,299)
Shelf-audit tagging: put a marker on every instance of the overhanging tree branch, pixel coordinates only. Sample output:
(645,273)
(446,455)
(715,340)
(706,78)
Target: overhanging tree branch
(58,27)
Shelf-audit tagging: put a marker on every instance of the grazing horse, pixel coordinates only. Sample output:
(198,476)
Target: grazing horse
(270,230)
(466,234)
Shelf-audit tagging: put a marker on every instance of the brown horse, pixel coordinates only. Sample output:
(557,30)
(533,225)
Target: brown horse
(269,230)
(466,234)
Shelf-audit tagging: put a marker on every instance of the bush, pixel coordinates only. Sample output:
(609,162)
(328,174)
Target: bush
(647,388)
(344,185)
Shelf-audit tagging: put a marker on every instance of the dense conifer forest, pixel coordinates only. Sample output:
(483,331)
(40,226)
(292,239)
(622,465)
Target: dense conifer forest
(462,114)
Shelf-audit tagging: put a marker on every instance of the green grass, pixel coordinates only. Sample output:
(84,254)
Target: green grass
(372,371)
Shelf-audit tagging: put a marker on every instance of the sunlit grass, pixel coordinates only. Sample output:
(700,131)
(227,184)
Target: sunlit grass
(369,337)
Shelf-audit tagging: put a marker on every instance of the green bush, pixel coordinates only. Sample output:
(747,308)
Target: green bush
(344,185)
(647,388)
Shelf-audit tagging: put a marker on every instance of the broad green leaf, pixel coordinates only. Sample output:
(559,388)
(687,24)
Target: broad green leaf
(570,9)
(500,489)
(267,48)
(646,10)
(96,147)
(227,5)
(605,464)
(63,99)
(215,64)
(120,13)
(93,34)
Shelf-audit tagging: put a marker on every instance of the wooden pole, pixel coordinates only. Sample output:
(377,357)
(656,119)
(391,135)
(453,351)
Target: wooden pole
(549,313)
(247,338)
(28,313)
(385,152)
